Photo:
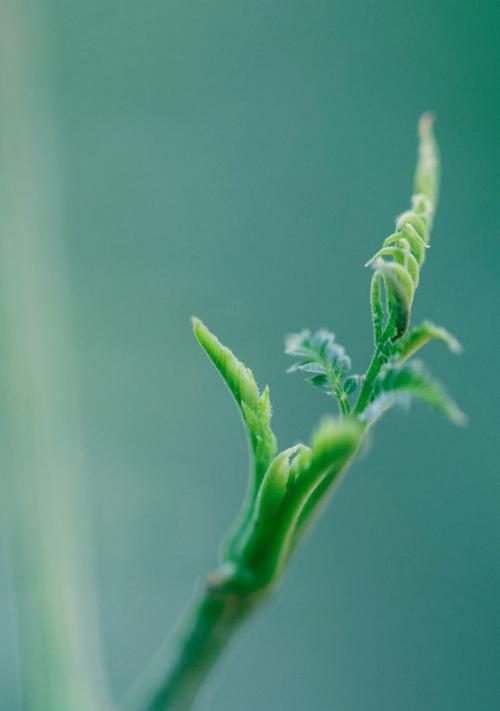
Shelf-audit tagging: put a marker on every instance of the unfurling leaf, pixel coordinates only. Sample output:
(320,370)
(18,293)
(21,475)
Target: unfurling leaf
(400,289)
(400,384)
(427,171)
(397,265)
(419,336)
(292,487)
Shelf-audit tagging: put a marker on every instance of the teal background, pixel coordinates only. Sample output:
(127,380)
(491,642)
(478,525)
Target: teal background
(240,161)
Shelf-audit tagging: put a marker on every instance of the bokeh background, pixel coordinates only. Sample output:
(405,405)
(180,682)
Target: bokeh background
(240,161)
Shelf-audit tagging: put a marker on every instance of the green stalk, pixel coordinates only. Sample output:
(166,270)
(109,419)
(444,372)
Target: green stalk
(284,506)
(176,674)
(43,496)
(376,363)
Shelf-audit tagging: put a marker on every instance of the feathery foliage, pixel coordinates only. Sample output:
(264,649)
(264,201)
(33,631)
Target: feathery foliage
(324,363)
(417,337)
(400,384)
(287,489)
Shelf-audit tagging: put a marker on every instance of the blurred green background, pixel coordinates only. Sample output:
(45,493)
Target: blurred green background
(240,161)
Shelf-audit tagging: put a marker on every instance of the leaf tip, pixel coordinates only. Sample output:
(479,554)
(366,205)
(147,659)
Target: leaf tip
(459,418)
(455,346)
(426,123)
(207,340)
(198,325)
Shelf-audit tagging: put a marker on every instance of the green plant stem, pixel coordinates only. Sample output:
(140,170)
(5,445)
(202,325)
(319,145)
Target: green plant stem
(177,672)
(237,588)
(344,405)
(373,370)
(376,363)
(336,385)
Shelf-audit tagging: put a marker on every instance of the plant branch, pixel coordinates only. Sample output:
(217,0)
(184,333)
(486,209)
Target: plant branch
(177,672)
(378,360)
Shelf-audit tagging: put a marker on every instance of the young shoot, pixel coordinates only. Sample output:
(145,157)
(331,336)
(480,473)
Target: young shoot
(288,486)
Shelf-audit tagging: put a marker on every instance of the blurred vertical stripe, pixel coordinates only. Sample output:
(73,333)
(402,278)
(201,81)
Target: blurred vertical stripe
(42,459)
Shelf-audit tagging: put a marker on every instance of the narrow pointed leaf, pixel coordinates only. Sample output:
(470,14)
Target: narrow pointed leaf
(255,408)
